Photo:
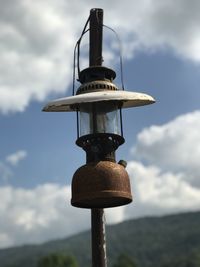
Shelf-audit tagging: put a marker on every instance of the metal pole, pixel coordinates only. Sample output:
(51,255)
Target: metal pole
(97,215)
(96,32)
(98,238)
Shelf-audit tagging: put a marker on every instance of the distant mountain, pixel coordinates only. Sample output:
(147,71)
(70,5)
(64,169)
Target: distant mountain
(151,242)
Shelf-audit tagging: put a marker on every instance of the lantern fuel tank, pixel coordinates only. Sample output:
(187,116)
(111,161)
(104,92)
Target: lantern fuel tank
(101,184)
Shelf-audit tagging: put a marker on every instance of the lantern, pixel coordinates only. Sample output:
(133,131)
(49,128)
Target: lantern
(101,182)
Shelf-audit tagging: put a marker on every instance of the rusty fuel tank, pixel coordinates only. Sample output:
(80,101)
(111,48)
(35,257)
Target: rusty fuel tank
(101,184)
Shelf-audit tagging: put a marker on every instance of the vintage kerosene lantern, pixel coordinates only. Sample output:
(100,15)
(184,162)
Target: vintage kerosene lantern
(101,182)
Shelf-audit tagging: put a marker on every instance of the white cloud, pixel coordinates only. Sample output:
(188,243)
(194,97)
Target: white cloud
(168,179)
(157,193)
(13,159)
(5,172)
(174,146)
(16,157)
(38,214)
(37,40)
(115,215)
(42,213)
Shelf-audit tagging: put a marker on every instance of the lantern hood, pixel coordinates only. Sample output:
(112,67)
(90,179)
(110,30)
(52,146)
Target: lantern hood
(126,100)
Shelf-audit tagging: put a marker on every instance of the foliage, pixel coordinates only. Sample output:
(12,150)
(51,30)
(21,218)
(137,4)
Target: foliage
(124,261)
(190,261)
(57,260)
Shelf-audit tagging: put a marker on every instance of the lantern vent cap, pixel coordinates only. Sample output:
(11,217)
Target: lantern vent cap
(96,86)
(94,73)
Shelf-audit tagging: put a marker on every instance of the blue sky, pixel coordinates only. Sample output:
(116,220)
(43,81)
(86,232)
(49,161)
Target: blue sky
(38,155)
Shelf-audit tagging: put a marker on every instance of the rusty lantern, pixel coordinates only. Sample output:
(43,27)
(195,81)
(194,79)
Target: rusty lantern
(101,182)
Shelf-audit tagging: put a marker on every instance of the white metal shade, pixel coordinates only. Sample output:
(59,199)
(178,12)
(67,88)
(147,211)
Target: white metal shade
(128,99)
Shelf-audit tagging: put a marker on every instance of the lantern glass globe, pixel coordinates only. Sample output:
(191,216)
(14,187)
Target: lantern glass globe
(99,117)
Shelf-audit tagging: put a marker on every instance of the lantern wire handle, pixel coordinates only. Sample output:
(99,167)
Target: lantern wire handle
(77,122)
(77,57)
(77,54)
(120,54)
(121,71)
(121,120)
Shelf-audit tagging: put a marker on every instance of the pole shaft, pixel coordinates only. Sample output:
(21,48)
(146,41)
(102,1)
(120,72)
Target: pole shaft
(96,33)
(98,238)
(97,215)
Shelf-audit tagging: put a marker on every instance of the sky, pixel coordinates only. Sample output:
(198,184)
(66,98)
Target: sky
(38,156)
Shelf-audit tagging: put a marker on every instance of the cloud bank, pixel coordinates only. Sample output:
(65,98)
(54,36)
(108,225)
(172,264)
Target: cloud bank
(164,178)
(158,193)
(37,40)
(36,214)
(40,214)
(173,146)
(166,174)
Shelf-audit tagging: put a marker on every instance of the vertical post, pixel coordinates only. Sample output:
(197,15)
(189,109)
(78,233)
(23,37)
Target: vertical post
(96,33)
(97,215)
(98,238)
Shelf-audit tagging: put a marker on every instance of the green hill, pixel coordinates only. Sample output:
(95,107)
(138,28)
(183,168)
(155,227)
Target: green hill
(152,242)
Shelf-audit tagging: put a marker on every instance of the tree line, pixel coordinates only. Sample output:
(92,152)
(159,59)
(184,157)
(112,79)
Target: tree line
(123,260)
(62,260)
